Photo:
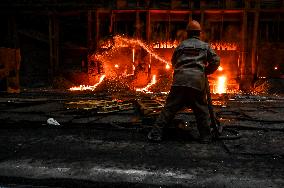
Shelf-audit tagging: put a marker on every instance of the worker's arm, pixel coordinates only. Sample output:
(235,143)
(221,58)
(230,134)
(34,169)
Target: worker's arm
(213,61)
(174,58)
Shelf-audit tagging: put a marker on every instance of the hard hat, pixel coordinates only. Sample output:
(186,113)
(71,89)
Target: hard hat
(193,26)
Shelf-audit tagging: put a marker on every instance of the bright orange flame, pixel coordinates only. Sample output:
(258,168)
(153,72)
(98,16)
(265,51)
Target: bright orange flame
(83,87)
(220,68)
(224,46)
(120,42)
(133,55)
(221,84)
(168,66)
(168,44)
(146,89)
(116,65)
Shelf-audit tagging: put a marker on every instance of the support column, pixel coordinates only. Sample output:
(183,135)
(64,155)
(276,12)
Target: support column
(245,81)
(254,43)
(90,30)
(53,45)
(111,22)
(202,18)
(137,26)
(148,26)
(97,34)
(12,32)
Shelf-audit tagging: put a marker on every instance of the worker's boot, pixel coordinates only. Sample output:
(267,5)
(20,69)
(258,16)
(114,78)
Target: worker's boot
(155,135)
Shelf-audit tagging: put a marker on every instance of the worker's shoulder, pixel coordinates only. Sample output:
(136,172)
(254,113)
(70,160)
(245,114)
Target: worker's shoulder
(194,43)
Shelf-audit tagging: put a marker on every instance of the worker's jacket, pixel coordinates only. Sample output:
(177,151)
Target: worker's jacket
(191,60)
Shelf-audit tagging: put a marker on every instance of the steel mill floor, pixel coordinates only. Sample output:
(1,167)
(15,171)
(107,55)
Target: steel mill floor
(101,142)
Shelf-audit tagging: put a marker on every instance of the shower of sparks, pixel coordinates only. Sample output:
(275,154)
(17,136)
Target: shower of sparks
(83,87)
(146,89)
(123,40)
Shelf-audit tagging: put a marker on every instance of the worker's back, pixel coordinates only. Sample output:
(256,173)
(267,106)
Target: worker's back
(189,62)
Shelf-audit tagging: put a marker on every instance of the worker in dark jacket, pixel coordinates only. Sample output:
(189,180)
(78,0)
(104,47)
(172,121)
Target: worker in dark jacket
(191,61)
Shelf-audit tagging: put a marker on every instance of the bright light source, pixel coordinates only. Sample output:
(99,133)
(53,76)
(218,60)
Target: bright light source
(220,68)
(116,66)
(221,85)
(83,87)
(133,55)
(275,68)
(167,66)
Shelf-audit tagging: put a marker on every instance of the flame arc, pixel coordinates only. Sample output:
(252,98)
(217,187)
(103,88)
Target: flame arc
(146,89)
(122,41)
(83,87)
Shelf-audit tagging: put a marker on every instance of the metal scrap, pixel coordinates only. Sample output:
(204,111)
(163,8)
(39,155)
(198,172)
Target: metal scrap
(100,106)
(150,106)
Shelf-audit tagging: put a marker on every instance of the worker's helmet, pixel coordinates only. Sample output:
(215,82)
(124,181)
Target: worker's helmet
(193,26)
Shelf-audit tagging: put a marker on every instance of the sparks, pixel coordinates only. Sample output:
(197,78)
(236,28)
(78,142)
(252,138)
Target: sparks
(145,89)
(120,40)
(83,87)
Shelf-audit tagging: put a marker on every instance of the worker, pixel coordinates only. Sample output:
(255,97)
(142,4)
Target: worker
(192,60)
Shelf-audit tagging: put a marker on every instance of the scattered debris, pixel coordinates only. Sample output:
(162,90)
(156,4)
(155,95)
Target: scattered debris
(52,121)
(100,106)
(270,86)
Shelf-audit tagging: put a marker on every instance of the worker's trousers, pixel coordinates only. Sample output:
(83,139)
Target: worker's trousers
(180,97)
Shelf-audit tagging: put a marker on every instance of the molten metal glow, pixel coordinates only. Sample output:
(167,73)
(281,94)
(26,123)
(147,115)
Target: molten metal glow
(168,66)
(168,44)
(83,87)
(123,40)
(221,84)
(225,46)
(146,89)
(133,55)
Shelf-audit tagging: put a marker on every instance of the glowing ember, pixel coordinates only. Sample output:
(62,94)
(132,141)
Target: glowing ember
(221,85)
(145,89)
(83,87)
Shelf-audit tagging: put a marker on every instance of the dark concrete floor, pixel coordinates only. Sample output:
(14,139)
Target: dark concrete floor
(111,150)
